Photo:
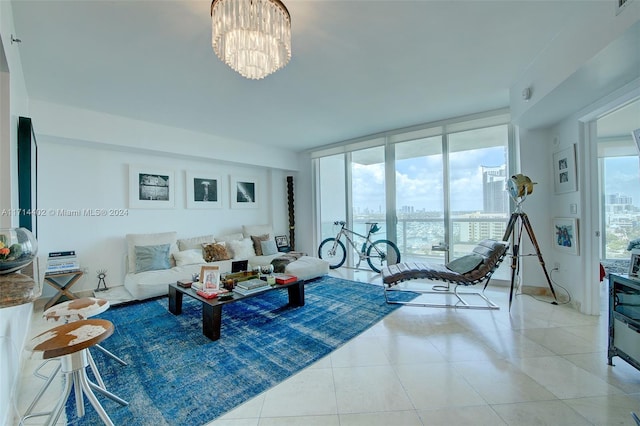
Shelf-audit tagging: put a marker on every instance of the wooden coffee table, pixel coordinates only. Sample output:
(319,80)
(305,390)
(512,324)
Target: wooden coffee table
(212,308)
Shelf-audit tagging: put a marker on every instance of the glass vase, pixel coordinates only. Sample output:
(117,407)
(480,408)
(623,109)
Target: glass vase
(18,248)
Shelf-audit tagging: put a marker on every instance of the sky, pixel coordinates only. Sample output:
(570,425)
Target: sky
(622,176)
(419,181)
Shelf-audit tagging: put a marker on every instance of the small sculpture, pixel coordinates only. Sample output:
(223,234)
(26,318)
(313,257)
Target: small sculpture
(102,273)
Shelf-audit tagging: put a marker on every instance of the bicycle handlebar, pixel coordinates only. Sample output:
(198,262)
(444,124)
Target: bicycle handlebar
(340,222)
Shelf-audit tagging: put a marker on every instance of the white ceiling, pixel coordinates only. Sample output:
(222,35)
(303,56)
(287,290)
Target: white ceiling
(358,67)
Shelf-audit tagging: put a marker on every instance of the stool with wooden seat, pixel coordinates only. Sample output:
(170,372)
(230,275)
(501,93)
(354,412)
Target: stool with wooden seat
(79,309)
(70,343)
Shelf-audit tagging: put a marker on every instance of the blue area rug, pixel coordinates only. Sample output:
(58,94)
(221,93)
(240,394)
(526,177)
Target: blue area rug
(177,376)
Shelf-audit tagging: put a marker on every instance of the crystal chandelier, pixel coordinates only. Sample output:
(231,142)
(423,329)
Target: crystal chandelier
(251,36)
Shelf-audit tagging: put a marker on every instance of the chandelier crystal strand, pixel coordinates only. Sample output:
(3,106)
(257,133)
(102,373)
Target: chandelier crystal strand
(253,37)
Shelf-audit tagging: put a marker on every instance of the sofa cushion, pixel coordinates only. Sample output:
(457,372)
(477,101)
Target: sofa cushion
(215,252)
(242,249)
(152,258)
(249,230)
(268,247)
(155,283)
(188,257)
(134,240)
(230,237)
(307,267)
(257,239)
(195,242)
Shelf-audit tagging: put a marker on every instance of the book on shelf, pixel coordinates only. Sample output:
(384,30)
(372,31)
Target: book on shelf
(62,262)
(62,253)
(252,284)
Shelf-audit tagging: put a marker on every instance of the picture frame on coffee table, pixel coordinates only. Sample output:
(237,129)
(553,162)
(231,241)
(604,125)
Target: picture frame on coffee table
(151,188)
(210,278)
(203,190)
(244,192)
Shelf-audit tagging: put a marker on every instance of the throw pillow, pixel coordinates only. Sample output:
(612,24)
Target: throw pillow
(152,258)
(268,247)
(134,240)
(465,264)
(215,252)
(256,243)
(188,257)
(242,249)
(249,230)
(194,242)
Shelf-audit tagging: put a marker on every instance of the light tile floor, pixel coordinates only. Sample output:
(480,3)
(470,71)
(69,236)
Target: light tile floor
(539,364)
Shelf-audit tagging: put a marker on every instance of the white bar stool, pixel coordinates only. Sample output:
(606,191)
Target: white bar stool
(70,343)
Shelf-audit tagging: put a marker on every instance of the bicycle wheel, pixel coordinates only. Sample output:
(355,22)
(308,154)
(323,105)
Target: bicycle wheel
(332,251)
(382,253)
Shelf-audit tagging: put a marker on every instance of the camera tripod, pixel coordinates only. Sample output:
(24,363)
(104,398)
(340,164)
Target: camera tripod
(519,221)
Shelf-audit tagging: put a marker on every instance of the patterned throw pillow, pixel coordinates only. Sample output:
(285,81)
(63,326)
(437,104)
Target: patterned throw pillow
(257,240)
(215,252)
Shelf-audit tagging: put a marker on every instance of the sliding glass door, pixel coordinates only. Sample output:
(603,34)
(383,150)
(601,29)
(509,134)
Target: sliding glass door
(479,204)
(434,191)
(420,203)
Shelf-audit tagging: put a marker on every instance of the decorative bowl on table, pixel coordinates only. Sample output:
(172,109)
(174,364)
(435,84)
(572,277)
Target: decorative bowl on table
(18,248)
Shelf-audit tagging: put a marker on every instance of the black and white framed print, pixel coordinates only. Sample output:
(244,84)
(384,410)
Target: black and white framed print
(244,192)
(204,190)
(151,188)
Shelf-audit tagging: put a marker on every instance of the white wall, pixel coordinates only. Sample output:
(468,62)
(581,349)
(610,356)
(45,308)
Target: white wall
(77,175)
(14,321)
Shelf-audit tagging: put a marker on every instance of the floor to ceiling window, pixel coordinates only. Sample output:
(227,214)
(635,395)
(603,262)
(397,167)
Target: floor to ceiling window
(331,187)
(420,204)
(479,205)
(619,176)
(435,190)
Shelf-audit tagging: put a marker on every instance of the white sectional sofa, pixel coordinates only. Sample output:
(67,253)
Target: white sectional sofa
(155,260)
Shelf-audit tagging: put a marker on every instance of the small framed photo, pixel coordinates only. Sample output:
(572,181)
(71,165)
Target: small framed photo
(564,170)
(565,235)
(203,190)
(282,243)
(244,192)
(210,278)
(634,266)
(151,188)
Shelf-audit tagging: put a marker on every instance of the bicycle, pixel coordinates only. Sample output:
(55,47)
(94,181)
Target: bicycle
(378,253)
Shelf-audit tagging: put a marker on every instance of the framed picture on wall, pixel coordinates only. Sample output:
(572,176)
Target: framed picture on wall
(565,235)
(203,190)
(151,188)
(244,192)
(564,170)
(282,243)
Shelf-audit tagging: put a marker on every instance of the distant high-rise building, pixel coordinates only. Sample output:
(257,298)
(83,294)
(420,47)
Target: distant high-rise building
(618,198)
(494,196)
